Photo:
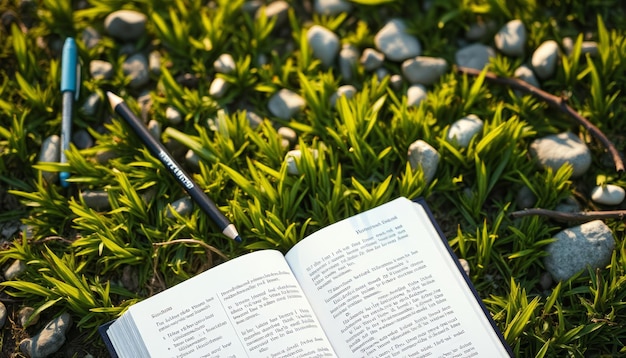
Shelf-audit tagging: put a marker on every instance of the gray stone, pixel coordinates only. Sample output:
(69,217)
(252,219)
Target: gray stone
(154,62)
(479,30)
(587,47)
(3,315)
(103,156)
(511,39)
(49,340)
(395,81)
(154,127)
(130,278)
(474,56)
(568,205)
(331,7)
(26,317)
(90,106)
(251,6)
(127,25)
(381,73)
(136,67)
(91,37)
(371,59)
(527,75)
(415,95)
(218,87)
(285,104)
(276,9)
(545,58)
(463,130)
(348,58)
(525,198)
(50,152)
(394,41)
(192,159)
(182,206)
(101,70)
(465,265)
(145,103)
(96,199)
(288,134)
(574,249)
(293,157)
(324,43)
(423,156)
(347,91)
(254,120)
(555,150)
(225,64)
(15,269)
(424,70)
(82,139)
(173,116)
(608,194)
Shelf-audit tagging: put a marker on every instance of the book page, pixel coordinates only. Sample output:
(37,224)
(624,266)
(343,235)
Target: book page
(251,306)
(383,284)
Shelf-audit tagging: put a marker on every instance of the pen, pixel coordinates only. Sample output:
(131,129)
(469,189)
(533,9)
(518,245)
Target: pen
(69,91)
(157,149)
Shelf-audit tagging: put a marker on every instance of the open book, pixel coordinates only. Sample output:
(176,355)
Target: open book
(383,283)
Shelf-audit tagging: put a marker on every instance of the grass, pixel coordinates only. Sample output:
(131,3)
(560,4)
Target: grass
(94,264)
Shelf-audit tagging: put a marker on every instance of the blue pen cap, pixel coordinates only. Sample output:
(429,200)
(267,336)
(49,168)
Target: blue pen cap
(69,66)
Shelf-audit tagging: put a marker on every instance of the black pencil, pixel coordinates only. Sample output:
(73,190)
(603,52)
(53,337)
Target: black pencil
(158,150)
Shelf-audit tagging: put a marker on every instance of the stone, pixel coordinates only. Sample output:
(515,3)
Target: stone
(395,81)
(511,39)
(574,249)
(182,207)
(218,87)
(293,157)
(415,95)
(145,103)
(474,56)
(527,75)
(154,62)
(126,25)
(465,265)
(556,150)
(422,156)
(225,64)
(136,68)
(394,41)
(130,278)
(568,205)
(288,134)
(348,58)
(82,139)
(381,73)
(347,91)
(26,318)
(50,152)
(463,130)
(284,104)
(276,9)
(49,340)
(586,47)
(154,127)
(173,116)
(96,199)
(371,59)
(608,194)
(3,314)
(91,37)
(192,159)
(545,58)
(90,106)
(254,120)
(101,70)
(103,156)
(331,7)
(324,44)
(424,70)
(479,30)
(525,198)
(15,269)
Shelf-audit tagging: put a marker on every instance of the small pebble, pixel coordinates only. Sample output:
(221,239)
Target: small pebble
(16,268)
(608,194)
(371,59)
(395,81)
(545,58)
(324,43)
(3,315)
(49,340)
(463,130)
(474,56)
(556,150)
(396,43)
(173,116)
(96,199)
(182,206)
(225,64)
(101,70)
(276,9)
(525,198)
(154,127)
(331,7)
(154,62)
(293,157)
(25,317)
(91,37)
(285,104)
(127,25)
(288,134)
(465,265)
(422,155)
(347,91)
(130,278)
(348,58)
(415,95)
(50,152)
(90,106)
(424,70)
(136,68)
(218,87)
(254,120)
(527,75)
(192,159)
(511,39)
(82,139)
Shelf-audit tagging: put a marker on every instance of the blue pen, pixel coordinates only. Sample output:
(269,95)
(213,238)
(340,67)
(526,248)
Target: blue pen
(70,77)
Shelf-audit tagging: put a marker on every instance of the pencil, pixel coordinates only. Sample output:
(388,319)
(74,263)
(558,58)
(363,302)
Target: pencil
(158,150)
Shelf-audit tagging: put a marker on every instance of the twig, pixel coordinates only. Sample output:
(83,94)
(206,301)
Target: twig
(193,241)
(554,101)
(582,216)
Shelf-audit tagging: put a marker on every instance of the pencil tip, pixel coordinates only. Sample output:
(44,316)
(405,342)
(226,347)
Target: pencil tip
(238,239)
(114,100)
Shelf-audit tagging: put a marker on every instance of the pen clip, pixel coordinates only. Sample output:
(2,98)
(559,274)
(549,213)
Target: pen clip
(78,74)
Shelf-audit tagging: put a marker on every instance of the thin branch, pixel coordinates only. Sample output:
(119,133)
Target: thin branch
(554,101)
(193,241)
(583,216)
